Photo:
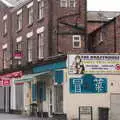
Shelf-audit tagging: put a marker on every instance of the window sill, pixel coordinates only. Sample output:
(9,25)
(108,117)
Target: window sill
(39,20)
(30,25)
(19,30)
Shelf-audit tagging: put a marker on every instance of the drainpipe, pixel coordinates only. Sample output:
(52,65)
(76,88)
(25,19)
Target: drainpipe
(115,44)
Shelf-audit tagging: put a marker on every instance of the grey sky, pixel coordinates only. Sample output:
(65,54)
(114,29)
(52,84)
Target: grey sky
(104,5)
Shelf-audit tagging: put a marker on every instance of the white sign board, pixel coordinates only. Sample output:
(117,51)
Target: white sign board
(94,64)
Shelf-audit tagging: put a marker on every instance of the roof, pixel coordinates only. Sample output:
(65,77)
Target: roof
(102,15)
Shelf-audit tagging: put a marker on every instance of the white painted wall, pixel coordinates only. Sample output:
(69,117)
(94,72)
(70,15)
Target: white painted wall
(73,101)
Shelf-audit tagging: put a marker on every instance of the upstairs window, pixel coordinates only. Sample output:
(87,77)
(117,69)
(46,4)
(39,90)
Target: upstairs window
(19,20)
(101,36)
(40,9)
(5,25)
(76,41)
(30,13)
(40,45)
(5,58)
(29,45)
(71,3)
(67,3)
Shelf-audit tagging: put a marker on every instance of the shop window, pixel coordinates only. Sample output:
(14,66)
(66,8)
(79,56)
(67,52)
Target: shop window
(59,77)
(76,41)
(34,92)
(42,91)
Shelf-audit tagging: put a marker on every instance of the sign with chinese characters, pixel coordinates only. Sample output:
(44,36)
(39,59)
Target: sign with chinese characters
(94,64)
(88,84)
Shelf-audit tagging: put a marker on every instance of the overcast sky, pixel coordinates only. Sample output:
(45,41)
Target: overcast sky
(104,5)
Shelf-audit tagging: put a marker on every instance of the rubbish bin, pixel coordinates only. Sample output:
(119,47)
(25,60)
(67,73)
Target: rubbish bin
(33,109)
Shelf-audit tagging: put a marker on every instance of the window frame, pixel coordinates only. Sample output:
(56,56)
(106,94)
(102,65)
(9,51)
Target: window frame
(5,58)
(73,5)
(65,5)
(29,50)
(41,6)
(40,45)
(30,15)
(79,40)
(19,21)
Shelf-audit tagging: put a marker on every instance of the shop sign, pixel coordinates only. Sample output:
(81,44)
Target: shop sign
(94,64)
(88,84)
(18,55)
(5,80)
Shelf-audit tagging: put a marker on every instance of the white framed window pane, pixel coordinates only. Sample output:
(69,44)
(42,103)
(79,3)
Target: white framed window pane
(19,21)
(19,46)
(29,50)
(5,26)
(41,9)
(40,45)
(72,3)
(30,13)
(63,3)
(5,59)
(76,41)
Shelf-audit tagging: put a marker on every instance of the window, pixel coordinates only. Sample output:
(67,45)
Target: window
(76,41)
(40,45)
(63,3)
(5,26)
(41,9)
(67,3)
(19,49)
(19,21)
(5,59)
(30,15)
(29,50)
(101,36)
(71,3)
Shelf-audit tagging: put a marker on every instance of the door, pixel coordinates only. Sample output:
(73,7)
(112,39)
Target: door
(115,107)
(50,107)
(103,113)
(58,98)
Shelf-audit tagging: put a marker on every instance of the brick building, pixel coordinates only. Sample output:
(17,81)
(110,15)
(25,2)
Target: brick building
(106,38)
(39,29)
(34,34)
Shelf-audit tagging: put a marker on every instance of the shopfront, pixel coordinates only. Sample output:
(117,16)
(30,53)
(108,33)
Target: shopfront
(6,88)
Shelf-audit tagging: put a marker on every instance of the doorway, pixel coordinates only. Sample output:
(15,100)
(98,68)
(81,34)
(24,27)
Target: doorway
(58,98)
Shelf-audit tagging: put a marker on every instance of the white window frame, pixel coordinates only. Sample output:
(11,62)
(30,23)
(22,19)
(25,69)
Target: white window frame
(19,21)
(73,4)
(41,45)
(29,49)
(5,58)
(74,40)
(41,9)
(63,3)
(5,26)
(30,15)
(101,36)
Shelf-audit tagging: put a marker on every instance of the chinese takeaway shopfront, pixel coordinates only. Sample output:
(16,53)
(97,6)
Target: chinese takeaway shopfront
(44,88)
(6,85)
(92,87)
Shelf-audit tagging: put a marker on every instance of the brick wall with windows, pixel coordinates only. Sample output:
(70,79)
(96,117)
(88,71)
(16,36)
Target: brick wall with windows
(42,17)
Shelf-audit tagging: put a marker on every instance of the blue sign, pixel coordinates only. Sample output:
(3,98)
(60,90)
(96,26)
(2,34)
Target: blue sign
(88,84)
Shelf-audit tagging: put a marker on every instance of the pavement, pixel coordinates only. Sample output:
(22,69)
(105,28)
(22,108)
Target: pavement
(18,117)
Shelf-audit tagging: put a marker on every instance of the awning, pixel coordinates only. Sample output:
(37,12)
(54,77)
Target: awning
(28,77)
